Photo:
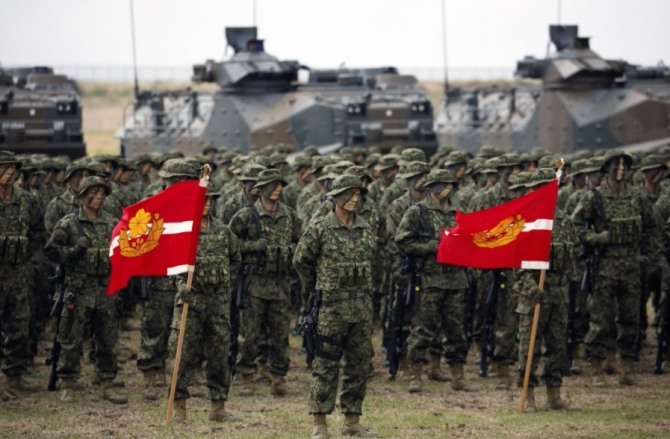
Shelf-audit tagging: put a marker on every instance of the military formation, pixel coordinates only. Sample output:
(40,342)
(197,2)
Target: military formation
(345,244)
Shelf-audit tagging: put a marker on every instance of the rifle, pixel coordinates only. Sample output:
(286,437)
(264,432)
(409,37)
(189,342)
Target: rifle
(56,310)
(308,328)
(235,306)
(570,329)
(394,348)
(145,292)
(662,336)
(488,330)
(469,300)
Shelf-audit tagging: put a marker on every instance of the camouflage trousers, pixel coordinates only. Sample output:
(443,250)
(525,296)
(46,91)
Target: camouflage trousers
(440,316)
(355,346)
(208,332)
(156,321)
(550,334)
(506,325)
(264,319)
(614,308)
(14,318)
(88,310)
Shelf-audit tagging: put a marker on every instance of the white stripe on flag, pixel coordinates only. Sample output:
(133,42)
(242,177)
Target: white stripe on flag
(171,271)
(170,229)
(539,224)
(535,265)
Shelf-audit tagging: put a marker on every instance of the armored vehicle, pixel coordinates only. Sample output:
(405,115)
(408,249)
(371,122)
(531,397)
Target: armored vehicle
(261,100)
(583,102)
(40,112)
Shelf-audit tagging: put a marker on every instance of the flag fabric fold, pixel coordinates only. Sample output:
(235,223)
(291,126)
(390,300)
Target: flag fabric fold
(516,234)
(157,236)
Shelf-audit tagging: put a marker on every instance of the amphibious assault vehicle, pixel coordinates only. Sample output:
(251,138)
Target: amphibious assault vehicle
(583,102)
(261,100)
(40,112)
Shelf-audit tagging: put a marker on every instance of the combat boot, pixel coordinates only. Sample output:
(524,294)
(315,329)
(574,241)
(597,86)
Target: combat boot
(555,402)
(627,377)
(150,391)
(575,369)
(504,377)
(262,373)
(415,377)
(457,379)
(597,373)
(247,385)
(12,386)
(278,385)
(320,430)
(609,365)
(26,386)
(218,413)
(179,414)
(67,392)
(435,370)
(352,427)
(160,377)
(530,401)
(110,394)
(403,367)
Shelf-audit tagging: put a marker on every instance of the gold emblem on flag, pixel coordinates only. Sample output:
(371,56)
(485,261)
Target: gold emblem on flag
(502,234)
(142,234)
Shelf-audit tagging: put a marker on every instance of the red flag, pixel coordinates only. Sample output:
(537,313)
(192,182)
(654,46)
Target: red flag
(157,236)
(516,234)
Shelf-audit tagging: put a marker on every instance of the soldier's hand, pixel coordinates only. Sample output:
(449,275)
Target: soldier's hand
(184,295)
(602,237)
(535,293)
(81,244)
(259,245)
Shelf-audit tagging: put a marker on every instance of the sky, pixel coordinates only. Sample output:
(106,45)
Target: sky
(326,33)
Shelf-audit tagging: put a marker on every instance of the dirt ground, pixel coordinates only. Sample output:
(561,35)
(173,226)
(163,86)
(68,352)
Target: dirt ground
(610,412)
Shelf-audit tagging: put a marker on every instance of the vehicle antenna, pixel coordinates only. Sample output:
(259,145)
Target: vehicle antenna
(444,48)
(132,30)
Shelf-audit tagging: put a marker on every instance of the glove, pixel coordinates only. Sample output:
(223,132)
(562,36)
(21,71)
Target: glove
(184,295)
(602,237)
(81,244)
(535,293)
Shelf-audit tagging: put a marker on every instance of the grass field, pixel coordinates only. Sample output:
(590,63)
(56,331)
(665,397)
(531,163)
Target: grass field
(610,412)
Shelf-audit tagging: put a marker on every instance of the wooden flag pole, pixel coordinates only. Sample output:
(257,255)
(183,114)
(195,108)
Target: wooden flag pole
(177,357)
(531,346)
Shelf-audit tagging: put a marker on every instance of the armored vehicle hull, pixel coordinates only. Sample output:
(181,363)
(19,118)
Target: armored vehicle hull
(261,101)
(40,112)
(584,102)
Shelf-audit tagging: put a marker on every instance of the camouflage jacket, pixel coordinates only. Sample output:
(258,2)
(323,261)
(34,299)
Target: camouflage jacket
(628,217)
(58,208)
(21,228)
(267,241)
(376,190)
(306,193)
(492,196)
(80,265)
(227,207)
(418,236)
(561,263)
(336,259)
(564,193)
(392,192)
(216,264)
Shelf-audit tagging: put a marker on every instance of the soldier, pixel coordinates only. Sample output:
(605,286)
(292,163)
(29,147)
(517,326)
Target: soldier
(387,168)
(619,225)
(554,296)
(20,227)
(246,197)
(80,242)
(208,323)
(67,202)
(267,231)
(333,261)
(442,286)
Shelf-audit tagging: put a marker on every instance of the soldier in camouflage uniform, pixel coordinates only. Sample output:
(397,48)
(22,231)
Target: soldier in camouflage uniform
(442,286)
(246,197)
(387,168)
(616,221)
(553,299)
(333,260)
(159,294)
(506,324)
(20,227)
(67,202)
(267,232)
(208,324)
(80,243)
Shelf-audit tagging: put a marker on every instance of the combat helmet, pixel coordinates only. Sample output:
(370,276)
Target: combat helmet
(8,158)
(250,172)
(178,168)
(615,153)
(652,161)
(77,165)
(439,176)
(540,176)
(415,168)
(268,176)
(344,182)
(92,181)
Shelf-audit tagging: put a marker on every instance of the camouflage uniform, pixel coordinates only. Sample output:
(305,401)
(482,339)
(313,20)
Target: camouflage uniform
(627,219)
(267,240)
(20,228)
(334,259)
(81,246)
(208,325)
(442,286)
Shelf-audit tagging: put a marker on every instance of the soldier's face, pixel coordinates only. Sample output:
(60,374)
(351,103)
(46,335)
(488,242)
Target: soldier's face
(7,174)
(594,178)
(144,168)
(208,206)
(60,175)
(77,177)
(442,190)
(617,168)
(507,172)
(653,176)
(94,198)
(249,188)
(419,181)
(458,170)
(272,191)
(351,197)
